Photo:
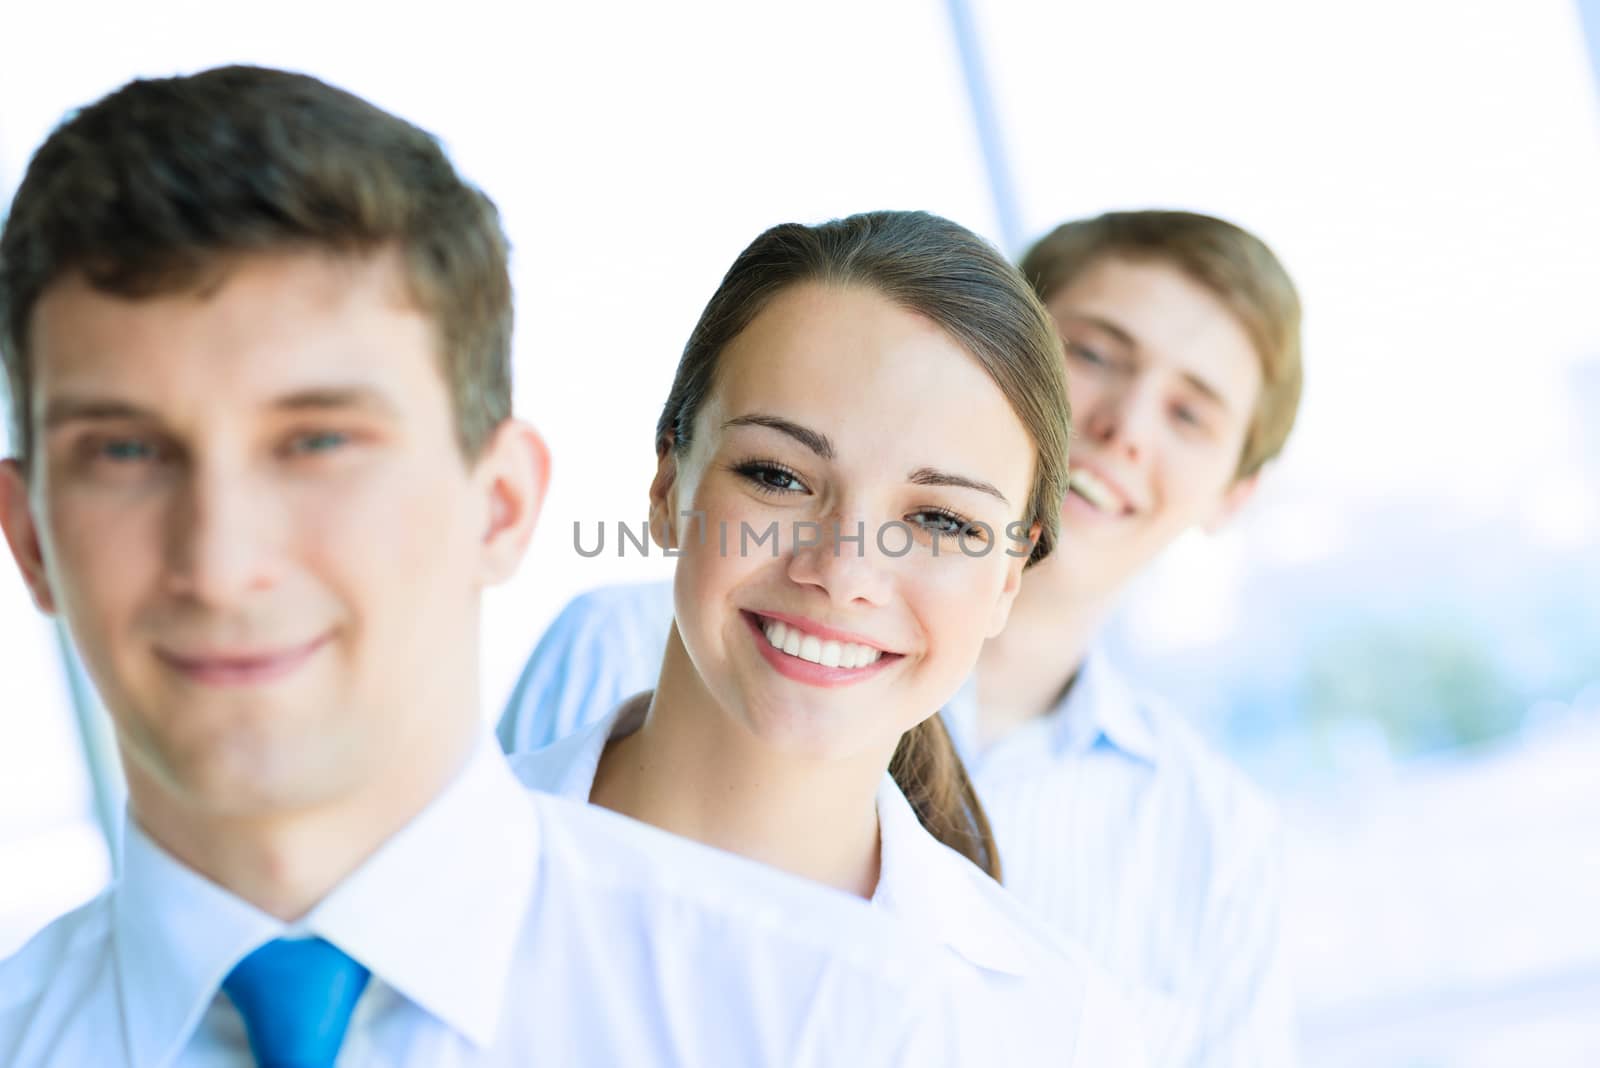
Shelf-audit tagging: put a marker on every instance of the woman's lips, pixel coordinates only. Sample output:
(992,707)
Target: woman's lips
(808,671)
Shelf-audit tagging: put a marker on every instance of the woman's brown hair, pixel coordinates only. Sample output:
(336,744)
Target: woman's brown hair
(954,278)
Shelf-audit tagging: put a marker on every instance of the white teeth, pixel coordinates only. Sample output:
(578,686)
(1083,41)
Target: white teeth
(1094,491)
(797,643)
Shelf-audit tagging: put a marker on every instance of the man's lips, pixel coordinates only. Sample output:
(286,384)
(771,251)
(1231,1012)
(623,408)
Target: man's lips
(238,667)
(1100,492)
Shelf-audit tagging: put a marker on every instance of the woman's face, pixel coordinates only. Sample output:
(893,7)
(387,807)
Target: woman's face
(823,591)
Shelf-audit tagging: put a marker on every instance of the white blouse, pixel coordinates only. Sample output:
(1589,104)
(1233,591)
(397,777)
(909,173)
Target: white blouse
(1045,999)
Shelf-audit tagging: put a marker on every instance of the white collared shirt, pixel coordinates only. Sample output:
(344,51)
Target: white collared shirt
(502,928)
(1024,971)
(1117,826)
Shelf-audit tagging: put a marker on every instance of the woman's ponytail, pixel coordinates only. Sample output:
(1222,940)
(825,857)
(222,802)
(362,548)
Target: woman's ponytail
(929,772)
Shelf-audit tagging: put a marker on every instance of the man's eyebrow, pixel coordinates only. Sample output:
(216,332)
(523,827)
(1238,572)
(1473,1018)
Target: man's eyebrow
(1200,385)
(1117,331)
(817,443)
(1206,390)
(71,409)
(325,398)
(928,476)
(93,409)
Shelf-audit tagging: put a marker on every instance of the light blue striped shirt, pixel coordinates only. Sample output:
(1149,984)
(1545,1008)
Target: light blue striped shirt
(1116,823)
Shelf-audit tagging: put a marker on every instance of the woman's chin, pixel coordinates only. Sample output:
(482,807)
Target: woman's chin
(804,727)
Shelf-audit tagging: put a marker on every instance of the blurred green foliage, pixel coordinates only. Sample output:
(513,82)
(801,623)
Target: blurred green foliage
(1428,685)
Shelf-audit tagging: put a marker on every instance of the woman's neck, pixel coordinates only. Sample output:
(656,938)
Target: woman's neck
(697,771)
(1026,669)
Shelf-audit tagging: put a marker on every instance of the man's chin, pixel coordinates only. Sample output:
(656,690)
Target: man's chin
(242,774)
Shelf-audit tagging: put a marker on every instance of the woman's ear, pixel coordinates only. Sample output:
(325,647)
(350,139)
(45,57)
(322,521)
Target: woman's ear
(664,495)
(1013,584)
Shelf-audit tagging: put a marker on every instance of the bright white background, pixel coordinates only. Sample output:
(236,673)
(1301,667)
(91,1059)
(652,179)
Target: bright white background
(1398,639)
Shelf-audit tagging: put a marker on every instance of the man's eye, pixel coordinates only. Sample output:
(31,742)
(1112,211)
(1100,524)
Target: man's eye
(1085,353)
(317,442)
(127,451)
(121,450)
(1192,418)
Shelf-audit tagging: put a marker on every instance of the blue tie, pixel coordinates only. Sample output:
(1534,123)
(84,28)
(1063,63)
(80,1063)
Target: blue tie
(296,996)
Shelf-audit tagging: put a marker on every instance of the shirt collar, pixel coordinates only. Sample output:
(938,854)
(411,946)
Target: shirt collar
(568,768)
(435,914)
(942,893)
(933,888)
(1100,705)
(176,936)
(1098,708)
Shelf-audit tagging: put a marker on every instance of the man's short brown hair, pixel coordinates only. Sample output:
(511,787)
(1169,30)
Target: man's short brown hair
(1235,265)
(155,187)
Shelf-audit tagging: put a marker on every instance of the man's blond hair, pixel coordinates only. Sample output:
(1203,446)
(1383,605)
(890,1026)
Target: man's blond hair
(1235,265)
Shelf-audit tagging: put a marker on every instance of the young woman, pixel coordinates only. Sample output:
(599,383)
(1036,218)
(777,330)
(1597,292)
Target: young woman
(864,447)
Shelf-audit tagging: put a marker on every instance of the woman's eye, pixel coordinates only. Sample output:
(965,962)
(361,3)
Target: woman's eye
(772,478)
(937,522)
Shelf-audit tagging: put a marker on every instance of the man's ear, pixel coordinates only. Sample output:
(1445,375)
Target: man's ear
(1233,499)
(22,534)
(1013,584)
(515,468)
(664,496)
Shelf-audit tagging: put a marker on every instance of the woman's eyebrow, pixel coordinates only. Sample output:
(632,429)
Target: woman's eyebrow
(811,439)
(929,476)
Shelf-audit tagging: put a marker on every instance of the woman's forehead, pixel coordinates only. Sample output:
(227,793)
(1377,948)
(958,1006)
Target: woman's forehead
(879,382)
